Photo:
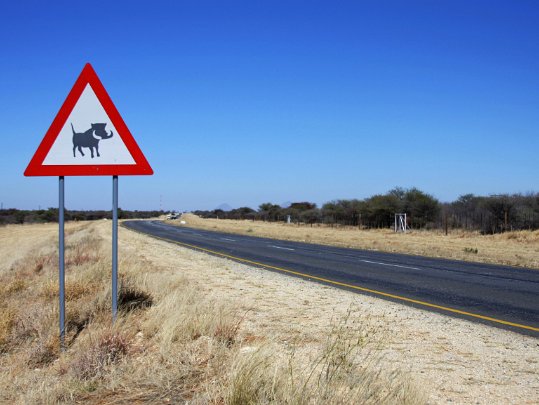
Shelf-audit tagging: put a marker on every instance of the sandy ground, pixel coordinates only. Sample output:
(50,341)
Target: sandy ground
(35,237)
(452,360)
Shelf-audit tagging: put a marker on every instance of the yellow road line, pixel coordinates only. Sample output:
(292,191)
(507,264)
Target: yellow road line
(354,287)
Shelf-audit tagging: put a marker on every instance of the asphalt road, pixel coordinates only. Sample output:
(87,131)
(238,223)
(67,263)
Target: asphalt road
(501,296)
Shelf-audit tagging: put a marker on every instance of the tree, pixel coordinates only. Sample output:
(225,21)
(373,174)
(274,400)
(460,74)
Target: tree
(311,216)
(269,211)
(332,212)
(422,208)
(302,206)
(500,208)
(380,210)
(241,213)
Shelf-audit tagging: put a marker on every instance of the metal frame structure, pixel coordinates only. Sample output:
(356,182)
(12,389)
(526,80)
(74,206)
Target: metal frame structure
(400,222)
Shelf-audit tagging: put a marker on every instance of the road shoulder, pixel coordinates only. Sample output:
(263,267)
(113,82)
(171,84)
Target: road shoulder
(451,359)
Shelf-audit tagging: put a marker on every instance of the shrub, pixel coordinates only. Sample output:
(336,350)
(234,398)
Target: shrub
(131,298)
(7,321)
(108,349)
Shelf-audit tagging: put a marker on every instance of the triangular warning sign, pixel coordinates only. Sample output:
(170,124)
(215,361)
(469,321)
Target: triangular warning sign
(88,137)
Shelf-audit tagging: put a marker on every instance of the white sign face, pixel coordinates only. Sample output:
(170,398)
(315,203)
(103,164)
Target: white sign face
(88,137)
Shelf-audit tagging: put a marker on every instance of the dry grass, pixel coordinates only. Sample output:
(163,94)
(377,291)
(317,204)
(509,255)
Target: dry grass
(451,360)
(346,370)
(37,239)
(520,248)
(171,344)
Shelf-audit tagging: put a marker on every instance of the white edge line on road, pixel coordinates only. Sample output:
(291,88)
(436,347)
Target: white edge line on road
(388,264)
(280,247)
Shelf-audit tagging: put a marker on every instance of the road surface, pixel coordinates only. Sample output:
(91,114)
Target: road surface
(501,296)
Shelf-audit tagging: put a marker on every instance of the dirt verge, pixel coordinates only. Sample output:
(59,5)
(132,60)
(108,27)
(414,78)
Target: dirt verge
(452,360)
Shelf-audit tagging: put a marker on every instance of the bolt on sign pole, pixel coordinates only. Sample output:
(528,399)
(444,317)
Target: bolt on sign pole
(61,261)
(114,248)
(88,137)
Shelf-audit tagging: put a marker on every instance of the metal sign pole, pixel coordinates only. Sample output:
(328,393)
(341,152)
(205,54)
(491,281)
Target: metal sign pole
(114,247)
(61,261)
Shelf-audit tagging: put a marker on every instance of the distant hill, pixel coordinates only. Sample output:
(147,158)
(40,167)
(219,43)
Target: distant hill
(225,207)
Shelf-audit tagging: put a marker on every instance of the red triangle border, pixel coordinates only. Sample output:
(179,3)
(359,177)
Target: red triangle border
(36,167)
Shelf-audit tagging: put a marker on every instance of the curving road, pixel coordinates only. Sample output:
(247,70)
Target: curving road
(501,296)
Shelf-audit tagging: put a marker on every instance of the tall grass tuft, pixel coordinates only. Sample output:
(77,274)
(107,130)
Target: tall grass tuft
(347,370)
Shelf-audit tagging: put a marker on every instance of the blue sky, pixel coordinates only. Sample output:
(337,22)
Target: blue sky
(246,102)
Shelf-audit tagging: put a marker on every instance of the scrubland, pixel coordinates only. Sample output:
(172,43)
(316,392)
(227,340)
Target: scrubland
(519,248)
(205,330)
(182,335)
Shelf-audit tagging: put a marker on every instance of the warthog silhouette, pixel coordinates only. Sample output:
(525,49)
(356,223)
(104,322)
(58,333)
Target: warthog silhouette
(89,139)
